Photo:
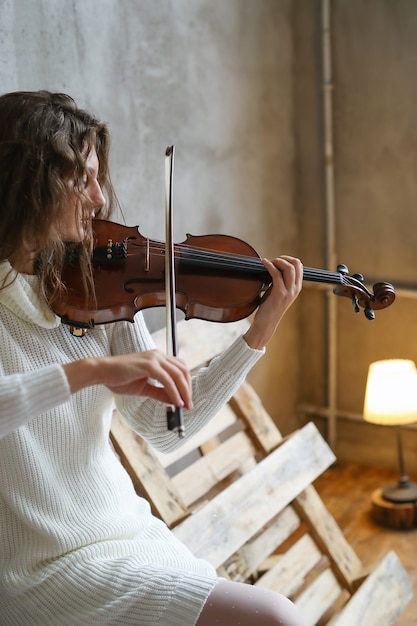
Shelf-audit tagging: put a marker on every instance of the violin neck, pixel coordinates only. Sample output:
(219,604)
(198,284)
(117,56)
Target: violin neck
(322,276)
(247,266)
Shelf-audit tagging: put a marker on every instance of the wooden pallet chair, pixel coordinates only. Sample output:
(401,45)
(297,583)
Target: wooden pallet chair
(241,496)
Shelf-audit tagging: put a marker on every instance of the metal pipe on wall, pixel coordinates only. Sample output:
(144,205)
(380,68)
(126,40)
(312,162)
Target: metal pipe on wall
(329,202)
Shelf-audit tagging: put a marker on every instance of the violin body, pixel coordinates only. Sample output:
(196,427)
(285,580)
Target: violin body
(218,278)
(127,284)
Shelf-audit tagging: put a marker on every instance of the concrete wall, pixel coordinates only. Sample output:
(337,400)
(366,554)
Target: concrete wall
(237,86)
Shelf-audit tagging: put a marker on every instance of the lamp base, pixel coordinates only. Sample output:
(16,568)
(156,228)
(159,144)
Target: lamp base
(398,515)
(403,491)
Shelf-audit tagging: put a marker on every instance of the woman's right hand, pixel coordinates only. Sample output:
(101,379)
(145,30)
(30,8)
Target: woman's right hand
(129,374)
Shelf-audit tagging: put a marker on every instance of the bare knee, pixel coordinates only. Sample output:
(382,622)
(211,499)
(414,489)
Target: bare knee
(239,604)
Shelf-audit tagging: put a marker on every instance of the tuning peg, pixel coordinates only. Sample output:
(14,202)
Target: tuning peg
(342,269)
(369,313)
(358,277)
(355,302)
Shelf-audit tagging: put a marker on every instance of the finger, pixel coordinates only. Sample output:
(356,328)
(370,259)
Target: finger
(174,376)
(295,263)
(276,268)
(290,269)
(146,389)
(137,369)
(287,262)
(155,390)
(161,394)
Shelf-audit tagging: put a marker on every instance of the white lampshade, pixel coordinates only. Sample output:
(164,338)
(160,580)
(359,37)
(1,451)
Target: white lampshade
(391,392)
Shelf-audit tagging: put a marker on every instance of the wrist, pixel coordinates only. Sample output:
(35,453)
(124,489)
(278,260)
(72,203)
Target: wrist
(82,373)
(255,339)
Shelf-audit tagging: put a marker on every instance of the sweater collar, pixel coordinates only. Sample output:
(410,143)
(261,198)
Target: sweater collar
(21,296)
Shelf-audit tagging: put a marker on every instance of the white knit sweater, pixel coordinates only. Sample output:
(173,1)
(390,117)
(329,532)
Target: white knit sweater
(78,546)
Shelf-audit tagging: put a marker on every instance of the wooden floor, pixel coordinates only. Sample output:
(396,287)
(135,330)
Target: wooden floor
(346,490)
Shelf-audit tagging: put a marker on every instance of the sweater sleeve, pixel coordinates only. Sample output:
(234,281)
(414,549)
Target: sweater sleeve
(213,386)
(24,396)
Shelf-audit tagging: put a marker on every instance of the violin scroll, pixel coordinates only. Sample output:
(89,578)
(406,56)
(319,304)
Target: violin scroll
(352,287)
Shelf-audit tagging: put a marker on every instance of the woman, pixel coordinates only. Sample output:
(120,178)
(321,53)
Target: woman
(78,545)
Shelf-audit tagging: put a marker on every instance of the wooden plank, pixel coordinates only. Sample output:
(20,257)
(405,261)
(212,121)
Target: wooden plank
(149,478)
(314,601)
(248,406)
(197,479)
(289,573)
(381,597)
(239,512)
(224,419)
(245,561)
(329,536)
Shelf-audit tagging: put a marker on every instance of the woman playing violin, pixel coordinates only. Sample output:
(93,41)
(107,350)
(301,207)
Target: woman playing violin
(78,545)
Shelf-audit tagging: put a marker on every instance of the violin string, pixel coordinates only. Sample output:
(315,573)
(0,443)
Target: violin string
(236,262)
(213,258)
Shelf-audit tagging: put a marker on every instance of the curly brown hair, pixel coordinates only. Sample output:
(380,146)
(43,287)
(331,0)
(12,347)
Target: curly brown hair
(44,139)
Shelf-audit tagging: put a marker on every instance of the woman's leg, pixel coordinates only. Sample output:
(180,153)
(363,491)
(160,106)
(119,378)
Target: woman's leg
(239,604)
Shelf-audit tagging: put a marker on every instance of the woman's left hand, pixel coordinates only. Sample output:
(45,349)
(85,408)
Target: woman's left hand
(287,279)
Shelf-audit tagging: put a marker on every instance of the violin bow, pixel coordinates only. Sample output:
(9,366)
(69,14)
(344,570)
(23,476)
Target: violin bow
(175,419)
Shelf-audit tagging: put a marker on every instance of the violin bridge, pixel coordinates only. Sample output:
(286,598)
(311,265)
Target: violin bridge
(147,256)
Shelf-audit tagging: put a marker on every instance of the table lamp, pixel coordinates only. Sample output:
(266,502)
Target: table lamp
(391,400)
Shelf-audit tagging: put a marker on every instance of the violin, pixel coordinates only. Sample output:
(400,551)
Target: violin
(218,278)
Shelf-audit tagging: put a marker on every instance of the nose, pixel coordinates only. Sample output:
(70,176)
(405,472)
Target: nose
(96,196)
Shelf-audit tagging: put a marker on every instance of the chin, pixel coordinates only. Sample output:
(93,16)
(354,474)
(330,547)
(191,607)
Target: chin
(75,236)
